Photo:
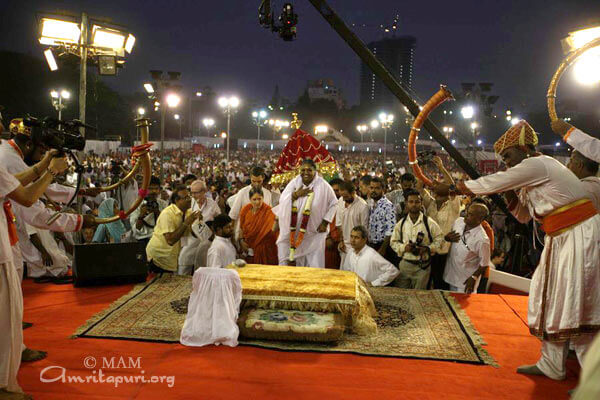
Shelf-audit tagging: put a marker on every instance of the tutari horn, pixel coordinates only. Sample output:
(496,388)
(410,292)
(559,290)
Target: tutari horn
(442,95)
(141,159)
(574,55)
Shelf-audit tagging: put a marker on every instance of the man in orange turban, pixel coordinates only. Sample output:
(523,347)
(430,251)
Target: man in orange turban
(564,296)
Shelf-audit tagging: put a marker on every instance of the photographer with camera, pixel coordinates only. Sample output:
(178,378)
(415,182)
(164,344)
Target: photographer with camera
(415,239)
(144,218)
(16,155)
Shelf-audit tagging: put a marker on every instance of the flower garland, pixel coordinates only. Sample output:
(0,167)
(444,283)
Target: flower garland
(295,242)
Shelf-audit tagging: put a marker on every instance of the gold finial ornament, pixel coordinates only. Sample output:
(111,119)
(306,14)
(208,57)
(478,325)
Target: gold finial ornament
(296,123)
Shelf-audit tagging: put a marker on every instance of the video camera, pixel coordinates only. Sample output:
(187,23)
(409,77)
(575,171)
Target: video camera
(287,20)
(57,134)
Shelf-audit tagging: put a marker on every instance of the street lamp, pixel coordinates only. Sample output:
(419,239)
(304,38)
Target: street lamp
(386,121)
(229,106)
(362,129)
(141,111)
(259,118)
(208,123)
(474,127)
(57,100)
(467,112)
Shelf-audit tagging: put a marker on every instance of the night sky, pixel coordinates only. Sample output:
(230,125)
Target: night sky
(515,44)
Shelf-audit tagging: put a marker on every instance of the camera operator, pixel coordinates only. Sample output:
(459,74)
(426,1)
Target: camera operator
(144,218)
(15,155)
(415,239)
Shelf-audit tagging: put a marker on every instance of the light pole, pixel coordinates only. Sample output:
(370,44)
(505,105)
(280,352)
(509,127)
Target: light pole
(164,92)
(386,121)
(57,100)
(208,123)
(179,121)
(474,127)
(259,121)
(362,129)
(278,125)
(229,106)
(141,111)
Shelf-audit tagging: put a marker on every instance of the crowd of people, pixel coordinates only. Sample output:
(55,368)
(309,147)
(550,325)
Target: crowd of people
(374,219)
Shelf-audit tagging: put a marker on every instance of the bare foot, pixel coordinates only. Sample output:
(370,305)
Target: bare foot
(4,395)
(29,355)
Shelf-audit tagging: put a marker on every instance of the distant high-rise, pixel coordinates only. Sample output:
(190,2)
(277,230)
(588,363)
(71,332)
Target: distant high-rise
(397,55)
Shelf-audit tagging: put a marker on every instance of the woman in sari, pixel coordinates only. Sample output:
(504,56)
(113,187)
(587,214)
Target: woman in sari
(257,237)
(114,231)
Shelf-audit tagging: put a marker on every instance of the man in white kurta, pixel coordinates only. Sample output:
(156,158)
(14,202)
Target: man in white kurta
(366,262)
(11,299)
(469,254)
(241,198)
(311,251)
(209,209)
(586,170)
(351,211)
(221,252)
(564,298)
(36,267)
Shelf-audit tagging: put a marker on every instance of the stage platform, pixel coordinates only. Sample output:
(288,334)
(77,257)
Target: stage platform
(254,373)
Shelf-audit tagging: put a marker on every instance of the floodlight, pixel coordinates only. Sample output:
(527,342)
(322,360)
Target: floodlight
(55,31)
(173,100)
(129,43)
(51,60)
(109,38)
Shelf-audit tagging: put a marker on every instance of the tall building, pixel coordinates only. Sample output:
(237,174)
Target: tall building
(397,55)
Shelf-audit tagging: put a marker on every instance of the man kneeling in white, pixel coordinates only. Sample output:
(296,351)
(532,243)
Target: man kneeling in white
(366,262)
(221,252)
(469,255)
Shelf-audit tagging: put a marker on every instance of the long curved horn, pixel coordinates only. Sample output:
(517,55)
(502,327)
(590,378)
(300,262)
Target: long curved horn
(574,55)
(141,158)
(442,95)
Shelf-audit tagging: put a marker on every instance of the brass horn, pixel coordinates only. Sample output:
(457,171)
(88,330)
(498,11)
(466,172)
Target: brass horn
(141,159)
(574,55)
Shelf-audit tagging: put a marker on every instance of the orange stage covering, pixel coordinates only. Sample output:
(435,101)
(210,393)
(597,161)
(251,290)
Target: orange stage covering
(253,373)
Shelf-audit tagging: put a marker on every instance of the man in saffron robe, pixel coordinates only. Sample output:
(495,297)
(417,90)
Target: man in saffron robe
(303,230)
(257,235)
(564,298)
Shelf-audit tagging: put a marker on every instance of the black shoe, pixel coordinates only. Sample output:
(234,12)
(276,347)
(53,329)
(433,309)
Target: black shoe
(27,325)
(42,279)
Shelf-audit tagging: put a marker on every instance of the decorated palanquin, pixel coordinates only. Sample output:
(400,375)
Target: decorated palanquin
(300,146)
(312,294)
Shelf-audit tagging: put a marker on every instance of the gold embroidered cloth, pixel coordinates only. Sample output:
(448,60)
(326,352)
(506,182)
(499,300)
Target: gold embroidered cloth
(309,289)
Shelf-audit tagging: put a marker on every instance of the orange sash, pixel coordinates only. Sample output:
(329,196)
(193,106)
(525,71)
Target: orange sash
(565,217)
(10,222)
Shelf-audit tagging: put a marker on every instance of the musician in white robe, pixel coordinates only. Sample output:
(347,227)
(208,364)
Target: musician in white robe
(586,170)
(366,262)
(11,298)
(38,264)
(564,298)
(310,252)
(12,156)
(586,144)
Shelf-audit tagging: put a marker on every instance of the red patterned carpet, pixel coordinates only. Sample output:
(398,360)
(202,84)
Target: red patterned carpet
(253,373)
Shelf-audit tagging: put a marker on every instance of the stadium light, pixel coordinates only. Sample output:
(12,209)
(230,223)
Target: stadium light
(173,100)
(587,67)
(149,88)
(467,112)
(51,60)
(55,32)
